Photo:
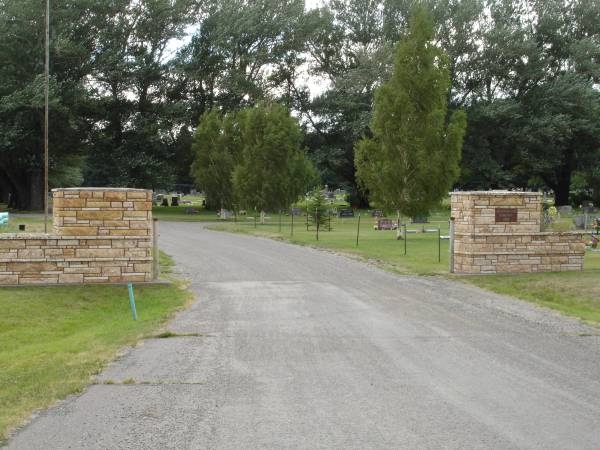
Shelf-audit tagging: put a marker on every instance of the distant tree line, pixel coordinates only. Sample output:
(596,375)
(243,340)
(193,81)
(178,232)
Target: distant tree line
(124,107)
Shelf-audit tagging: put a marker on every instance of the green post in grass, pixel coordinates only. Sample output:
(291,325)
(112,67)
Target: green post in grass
(132,301)
(280,221)
(404,239)
(292,229)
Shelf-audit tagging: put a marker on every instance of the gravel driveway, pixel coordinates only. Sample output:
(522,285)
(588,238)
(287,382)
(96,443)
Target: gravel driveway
(291,347)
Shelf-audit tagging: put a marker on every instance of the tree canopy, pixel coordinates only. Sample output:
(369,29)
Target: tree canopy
(252,159)
(130,81)
(413,157)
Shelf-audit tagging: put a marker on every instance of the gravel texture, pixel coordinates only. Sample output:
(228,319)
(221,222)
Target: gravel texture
(291,347)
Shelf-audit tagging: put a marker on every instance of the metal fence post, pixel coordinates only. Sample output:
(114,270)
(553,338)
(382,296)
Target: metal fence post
(451,244)
(317,221)
(439,245)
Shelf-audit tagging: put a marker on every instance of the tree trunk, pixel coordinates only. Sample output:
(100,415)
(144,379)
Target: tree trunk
(5,188)
(563,179)
(18,194)
(36,190)
(398,228)
(561,190)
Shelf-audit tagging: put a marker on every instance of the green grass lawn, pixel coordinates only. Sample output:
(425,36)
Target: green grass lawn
(573,293)
(32,224)
(380,246)
(182,214)
(53,339)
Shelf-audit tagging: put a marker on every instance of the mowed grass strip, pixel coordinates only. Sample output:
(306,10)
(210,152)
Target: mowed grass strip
(379,246)
(33,224)
(574,293)
(183,214)
(53,339)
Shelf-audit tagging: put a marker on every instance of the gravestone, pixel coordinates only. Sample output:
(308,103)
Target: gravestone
(565,209)
(419,219)
(225,214)
(579,222)
(385,224)
(589,209)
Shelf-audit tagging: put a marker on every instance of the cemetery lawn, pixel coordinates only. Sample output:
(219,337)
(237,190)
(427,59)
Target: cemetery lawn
(33,224)
(380,247)
(183,214)
(573,293)
(53,339)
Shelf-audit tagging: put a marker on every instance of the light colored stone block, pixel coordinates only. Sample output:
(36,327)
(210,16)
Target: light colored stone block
(115,196)
(78,231)
(99,253)
(99,215)
(137,195)
(97,204)
(26,279)
(60,203)
(142,206)
(9,279)
(68,278)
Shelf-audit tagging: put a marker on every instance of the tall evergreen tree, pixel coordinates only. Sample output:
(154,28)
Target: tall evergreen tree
(413,157)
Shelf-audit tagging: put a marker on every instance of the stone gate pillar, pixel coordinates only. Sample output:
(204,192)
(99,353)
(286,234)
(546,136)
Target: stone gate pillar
(500,231)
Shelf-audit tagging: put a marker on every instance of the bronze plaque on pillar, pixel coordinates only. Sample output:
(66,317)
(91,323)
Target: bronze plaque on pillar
(506,214)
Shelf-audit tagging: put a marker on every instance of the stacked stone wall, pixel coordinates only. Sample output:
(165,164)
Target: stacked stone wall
(94,212)
(100,236)
(509,240)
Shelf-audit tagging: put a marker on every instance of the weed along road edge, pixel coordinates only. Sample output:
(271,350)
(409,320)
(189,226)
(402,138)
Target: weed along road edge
(291,347)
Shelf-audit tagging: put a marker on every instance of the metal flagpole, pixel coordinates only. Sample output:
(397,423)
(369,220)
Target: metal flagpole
(46,79)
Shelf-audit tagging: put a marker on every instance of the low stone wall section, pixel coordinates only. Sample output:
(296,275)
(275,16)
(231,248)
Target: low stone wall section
(54,259)
(517,253)
(101,235)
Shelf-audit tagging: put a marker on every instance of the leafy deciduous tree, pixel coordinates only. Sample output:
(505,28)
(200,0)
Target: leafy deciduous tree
(216,147)
(272,170)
